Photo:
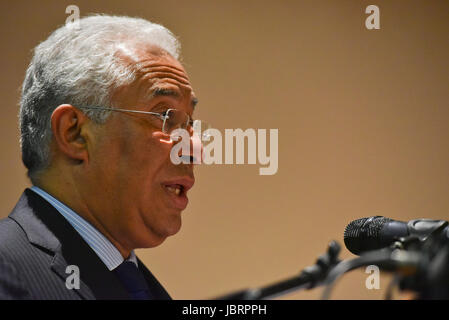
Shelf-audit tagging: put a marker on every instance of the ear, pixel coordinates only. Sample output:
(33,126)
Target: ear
(69,129)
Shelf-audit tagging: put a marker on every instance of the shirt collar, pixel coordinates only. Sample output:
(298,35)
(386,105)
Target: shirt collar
(104,249)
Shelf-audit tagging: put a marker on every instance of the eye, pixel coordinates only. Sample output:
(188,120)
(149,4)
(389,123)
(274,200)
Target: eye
(161,107)
(165,112)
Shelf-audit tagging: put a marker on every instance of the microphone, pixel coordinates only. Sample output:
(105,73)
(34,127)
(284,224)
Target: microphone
(378,232)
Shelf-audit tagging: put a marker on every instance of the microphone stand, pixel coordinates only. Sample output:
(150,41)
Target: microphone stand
(420,264)
(309,278)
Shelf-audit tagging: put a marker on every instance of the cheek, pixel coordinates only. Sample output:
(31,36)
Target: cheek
(143,159)
(136,160)
(145,155)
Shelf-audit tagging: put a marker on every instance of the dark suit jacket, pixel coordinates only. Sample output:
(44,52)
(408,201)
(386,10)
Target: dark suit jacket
(37,244)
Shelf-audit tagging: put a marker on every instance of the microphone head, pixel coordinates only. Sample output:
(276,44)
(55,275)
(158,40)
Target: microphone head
(364,234)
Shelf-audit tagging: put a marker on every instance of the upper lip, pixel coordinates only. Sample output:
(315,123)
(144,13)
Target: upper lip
(185,182)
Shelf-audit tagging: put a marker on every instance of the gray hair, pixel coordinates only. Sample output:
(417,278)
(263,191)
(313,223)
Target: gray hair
(79,66)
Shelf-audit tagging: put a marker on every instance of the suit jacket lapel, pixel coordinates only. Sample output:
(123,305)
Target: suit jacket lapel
(48,229)
(157,290)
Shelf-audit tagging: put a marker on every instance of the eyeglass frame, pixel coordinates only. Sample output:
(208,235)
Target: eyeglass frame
(190,121)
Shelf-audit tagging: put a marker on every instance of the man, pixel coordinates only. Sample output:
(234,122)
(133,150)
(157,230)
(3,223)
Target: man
(99,102)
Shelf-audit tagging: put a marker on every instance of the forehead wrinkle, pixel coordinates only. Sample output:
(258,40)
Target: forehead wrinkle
(164,70)
(160,76)
(155,66)
(154,61)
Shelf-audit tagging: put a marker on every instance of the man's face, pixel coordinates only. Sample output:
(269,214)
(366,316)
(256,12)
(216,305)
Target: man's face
(132,180)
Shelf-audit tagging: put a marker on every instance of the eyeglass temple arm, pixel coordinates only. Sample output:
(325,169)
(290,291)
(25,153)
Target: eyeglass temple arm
(162,117)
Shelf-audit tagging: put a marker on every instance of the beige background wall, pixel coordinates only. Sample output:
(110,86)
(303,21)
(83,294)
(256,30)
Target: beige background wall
(363,121)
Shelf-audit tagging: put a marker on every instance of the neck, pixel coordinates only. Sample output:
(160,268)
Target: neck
(68,193)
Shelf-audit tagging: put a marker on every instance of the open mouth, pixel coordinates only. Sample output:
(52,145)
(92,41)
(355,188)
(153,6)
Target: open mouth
(176,189)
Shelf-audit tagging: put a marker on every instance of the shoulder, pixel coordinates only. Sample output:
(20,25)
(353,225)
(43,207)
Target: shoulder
(12,235)
(11,239)
(16,248)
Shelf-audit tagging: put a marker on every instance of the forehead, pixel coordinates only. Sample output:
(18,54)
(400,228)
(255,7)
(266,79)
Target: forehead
(157,73)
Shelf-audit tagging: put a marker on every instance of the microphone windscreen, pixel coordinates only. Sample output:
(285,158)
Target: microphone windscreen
(364,234)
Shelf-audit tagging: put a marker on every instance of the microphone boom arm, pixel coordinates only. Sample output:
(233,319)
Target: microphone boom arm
(309,278)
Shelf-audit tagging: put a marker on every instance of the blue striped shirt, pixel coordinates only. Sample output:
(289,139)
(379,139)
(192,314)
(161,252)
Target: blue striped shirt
(104,249)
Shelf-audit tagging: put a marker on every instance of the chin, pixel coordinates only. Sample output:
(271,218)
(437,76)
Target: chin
(172,227)
(156,234)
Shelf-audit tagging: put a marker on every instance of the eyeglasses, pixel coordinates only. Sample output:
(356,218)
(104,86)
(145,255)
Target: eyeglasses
(172,118)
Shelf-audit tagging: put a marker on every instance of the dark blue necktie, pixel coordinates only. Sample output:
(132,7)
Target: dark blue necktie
(133,281)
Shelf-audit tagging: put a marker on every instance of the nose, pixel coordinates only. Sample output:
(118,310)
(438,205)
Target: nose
(195,151)
(196,148)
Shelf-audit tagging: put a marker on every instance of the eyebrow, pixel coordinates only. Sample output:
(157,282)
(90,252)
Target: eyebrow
(158,92)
